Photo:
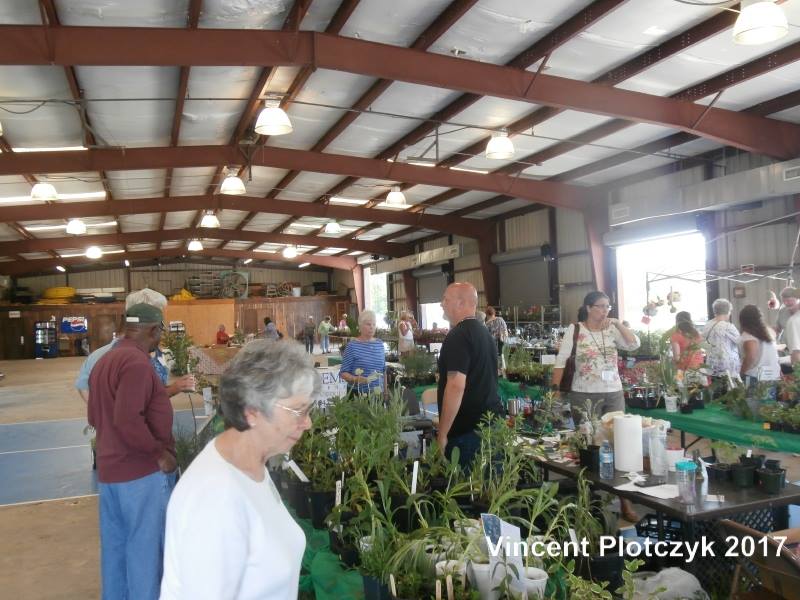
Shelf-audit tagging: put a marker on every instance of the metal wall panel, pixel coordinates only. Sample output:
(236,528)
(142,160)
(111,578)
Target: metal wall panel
(570,231)
(115,278)
(437,243)
(528,230)
(575,269)
(470,259)
(38,284)
(571,299)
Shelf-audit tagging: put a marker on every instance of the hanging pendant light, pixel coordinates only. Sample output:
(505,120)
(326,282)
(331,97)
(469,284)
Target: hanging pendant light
(290,252)
(195,246)
(209,220)
(76,227)
(333,227)
(396,197)
(500,147)
(759,22)
(273,120)
(44,192)
(232,184)
(94,252)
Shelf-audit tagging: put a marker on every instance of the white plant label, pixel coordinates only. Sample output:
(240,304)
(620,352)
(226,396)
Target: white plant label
(749,453)
(572,536)
(296,470)
(424,446)
(450,592)
(414,476)
(338,493)
(438,589)
(208,401)
(396,449)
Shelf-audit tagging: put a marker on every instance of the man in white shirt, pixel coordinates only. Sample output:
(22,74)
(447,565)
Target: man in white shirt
(789,306)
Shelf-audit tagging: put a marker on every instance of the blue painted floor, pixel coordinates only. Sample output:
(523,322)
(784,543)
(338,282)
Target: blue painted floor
(47,460)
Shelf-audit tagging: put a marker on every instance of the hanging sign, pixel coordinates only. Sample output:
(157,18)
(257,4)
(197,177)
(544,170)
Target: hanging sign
(74,325)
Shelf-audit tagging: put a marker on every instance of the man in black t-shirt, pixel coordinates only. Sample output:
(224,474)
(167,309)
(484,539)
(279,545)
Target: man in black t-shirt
(467,374)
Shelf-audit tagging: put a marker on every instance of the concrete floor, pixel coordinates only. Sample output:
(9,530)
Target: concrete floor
(50,550)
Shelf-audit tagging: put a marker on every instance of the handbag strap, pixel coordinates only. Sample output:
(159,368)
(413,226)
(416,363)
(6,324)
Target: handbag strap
(575,339)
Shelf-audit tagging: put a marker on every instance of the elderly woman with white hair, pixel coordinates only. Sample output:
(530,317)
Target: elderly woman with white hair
(364,360)
(228,533)
(722,338)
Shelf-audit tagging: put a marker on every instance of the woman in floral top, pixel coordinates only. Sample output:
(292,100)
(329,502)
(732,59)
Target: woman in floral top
(596,373)
(723,339)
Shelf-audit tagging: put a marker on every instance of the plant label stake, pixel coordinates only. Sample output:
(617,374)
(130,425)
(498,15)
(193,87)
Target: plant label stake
(424,446)
(450,593)
(396,449)
(749,452)
(208,402)
(392,586)
(414,476)
(471,492)
(438,589)
(572,536)
(338,493)
(296,470)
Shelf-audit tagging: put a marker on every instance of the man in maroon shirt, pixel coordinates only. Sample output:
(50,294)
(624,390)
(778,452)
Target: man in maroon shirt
(130,409)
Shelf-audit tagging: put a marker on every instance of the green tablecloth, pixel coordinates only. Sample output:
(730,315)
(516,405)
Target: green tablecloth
(324,574)
(505,388)
(716,423)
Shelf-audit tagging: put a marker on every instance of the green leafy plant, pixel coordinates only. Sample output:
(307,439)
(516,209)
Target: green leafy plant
(178,344)
(726,452)
(418,366)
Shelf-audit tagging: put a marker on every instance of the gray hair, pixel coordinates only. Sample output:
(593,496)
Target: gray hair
(721,306)
(262,374)
(367,315)
(146,296)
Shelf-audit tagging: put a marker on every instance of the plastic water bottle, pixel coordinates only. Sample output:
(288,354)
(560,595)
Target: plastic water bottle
(658,450)
(606,461)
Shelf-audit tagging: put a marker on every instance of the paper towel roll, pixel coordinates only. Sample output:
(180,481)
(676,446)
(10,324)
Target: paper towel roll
(628,443)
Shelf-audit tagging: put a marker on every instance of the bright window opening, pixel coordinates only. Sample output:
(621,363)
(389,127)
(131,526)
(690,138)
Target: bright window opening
(674,264)
(377,297)
(432,316)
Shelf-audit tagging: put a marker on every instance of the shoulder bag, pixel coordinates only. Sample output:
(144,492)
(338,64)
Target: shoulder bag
(569,366)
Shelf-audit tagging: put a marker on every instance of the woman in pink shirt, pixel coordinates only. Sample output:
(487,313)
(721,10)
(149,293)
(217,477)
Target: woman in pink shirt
(685,342)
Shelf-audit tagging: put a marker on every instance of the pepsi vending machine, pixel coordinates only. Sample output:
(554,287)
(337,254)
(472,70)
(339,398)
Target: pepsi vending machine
(45,339)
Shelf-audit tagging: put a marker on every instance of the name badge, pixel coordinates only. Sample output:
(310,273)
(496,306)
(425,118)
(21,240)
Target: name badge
(609,375)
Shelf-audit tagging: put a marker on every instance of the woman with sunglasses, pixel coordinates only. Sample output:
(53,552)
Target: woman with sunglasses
(228,533)
(596,376)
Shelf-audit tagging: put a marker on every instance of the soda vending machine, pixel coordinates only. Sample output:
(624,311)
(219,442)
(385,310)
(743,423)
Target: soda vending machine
(45,339)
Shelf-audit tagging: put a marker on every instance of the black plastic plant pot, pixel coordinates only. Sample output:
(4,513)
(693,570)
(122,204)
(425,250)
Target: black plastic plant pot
(757,461)
(744,475)
(603,568)
(321,506)
(404,518)
(772,464)
(590,458)
(297,496)
(687,409)
(437,484)
(719,472)
(771,482)
(374,589)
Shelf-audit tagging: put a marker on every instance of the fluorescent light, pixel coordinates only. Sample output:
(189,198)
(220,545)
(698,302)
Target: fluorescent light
(34,228)
(340,200)
(84,253)
(289,252)
(127,263)
(500,147)
(94,252)
(654,30)
(303,265)
(44,192)
(76,227)
(468,170)
(209,220)
(81,196)
(273,120)
(305,225)
(265,251)
(247,261)
(195,246)
(396,197)
(58,149)
(60,268)
(759,22)
(421,161)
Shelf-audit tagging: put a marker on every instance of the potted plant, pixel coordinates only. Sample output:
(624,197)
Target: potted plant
(419,368)
(726,454)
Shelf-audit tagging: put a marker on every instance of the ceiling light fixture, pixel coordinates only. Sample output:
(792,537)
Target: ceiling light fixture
(333,227)
(500,147)
(209,220)
(340,200)
(303,265)
(76,227)
(127,263)
(232,185)
(396,197)
(44,192)
(61,269)
(289,252)
(759,22)
(195,246)
(273,120)
(94,252)
(247,261)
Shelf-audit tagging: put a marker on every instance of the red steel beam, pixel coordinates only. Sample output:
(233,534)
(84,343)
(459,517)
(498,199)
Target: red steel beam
(129,45)
(61,210)
(454,11)
(555,194)
(133,237)
(25,267)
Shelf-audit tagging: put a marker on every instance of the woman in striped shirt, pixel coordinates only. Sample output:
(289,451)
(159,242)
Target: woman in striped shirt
(364,361)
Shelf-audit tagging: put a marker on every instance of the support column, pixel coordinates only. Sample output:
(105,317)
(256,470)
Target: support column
(410,286)
(358,285)
(552,260)
(487,245)
(707,226)
(596,222)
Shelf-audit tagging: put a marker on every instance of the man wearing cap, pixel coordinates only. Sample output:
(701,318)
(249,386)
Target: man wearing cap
(130,409)
(789,322)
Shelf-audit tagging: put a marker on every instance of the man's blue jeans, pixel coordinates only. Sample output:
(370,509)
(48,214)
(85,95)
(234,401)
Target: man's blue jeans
(324,340)
(132,521)
(468,445)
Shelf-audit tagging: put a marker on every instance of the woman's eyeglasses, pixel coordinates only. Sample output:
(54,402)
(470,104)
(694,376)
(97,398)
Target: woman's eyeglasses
(300,414)
(603,306)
